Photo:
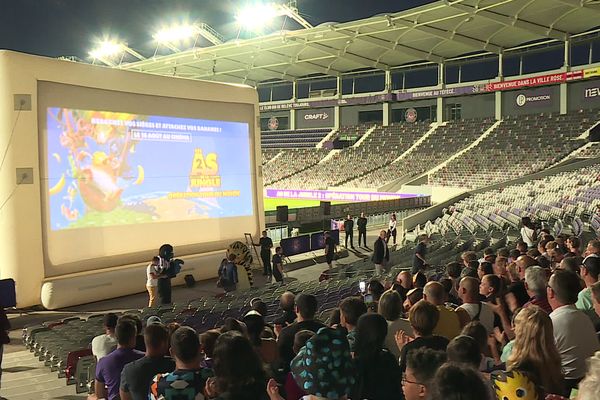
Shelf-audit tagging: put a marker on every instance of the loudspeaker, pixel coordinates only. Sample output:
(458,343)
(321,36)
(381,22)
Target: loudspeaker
(326,207)
(189,281)
(282,213)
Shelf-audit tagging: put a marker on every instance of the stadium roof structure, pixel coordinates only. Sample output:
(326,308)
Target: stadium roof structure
(433,33)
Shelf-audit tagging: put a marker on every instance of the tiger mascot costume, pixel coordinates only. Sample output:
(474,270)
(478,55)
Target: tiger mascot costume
(243,260)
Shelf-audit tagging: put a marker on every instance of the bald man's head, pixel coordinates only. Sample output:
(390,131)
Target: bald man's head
(287,300)
(405,279)
(434,293)
(524,262)
(469,289)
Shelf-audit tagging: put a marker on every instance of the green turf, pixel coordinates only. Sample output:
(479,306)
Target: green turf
(271,204)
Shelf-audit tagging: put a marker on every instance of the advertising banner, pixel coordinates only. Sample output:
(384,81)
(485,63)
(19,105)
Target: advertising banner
(315,118)
(373,99)
(325,195)
(530,98)
(427,94)
(591,72)
(532,81)
(590,91)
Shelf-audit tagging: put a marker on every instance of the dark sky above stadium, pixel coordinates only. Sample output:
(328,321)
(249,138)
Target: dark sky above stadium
(69,27)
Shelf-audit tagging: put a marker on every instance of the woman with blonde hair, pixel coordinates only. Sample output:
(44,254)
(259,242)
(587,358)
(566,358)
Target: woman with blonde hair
(535,352)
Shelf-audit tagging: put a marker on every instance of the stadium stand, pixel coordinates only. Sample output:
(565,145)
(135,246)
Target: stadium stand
(380,148)
(292,139)
(591,150)
(445,141)
(268,155)
(564,197)
(520,145)
(290,162)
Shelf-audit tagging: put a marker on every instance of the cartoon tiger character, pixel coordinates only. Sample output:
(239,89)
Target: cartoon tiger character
(243,259)
(515,385)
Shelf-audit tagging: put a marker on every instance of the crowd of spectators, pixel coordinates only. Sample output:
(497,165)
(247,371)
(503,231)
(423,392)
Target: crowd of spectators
(477,332)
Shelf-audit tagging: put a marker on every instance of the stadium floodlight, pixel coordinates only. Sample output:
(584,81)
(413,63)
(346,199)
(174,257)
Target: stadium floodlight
(111,52)
(175,33)
(257,16)
(107,49)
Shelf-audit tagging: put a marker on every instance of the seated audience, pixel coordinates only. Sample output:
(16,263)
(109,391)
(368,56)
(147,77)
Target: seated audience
(574,332)
(208,341)
(534,351)
(593,247)
(512,272)
(453,381)
(376,289)
(292,390)
(390,308)
(423,318)
(403,284)
(470,270)
(536,280)
(419,280)
(286,303)
(449,323)
(524,262)
(136,376)
(515,297)
(421,366)
(351,308)
(109,368)
(464,349)
(324,367)
(232,324)
(450,300)
(107,342)
(453,271)
(596,297)
(266,348)
(589,387)
(259,306)
(573,246)
(490,288)
(589,270)
(378,375)
(139,327)
(485,268)
(477,331)
(477,310)
(187,380)
(571,264)
(305,309)
(238,371)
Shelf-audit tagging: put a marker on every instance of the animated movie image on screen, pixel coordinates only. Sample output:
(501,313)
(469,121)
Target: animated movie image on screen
(107,169)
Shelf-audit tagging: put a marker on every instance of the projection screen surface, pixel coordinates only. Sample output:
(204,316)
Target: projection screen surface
(123,173)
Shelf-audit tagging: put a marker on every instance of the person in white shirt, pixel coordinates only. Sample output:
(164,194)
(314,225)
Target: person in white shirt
(528,233)
(152,280)
(392,231)
(468,291)
(573,330)
(102,345)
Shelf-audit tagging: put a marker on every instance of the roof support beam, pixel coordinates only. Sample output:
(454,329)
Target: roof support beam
(575,3)
(396,46)
(456,37)
(367,62)
(304,64)
(511,21)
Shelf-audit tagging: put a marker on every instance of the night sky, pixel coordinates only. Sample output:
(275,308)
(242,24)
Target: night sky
(70,27)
